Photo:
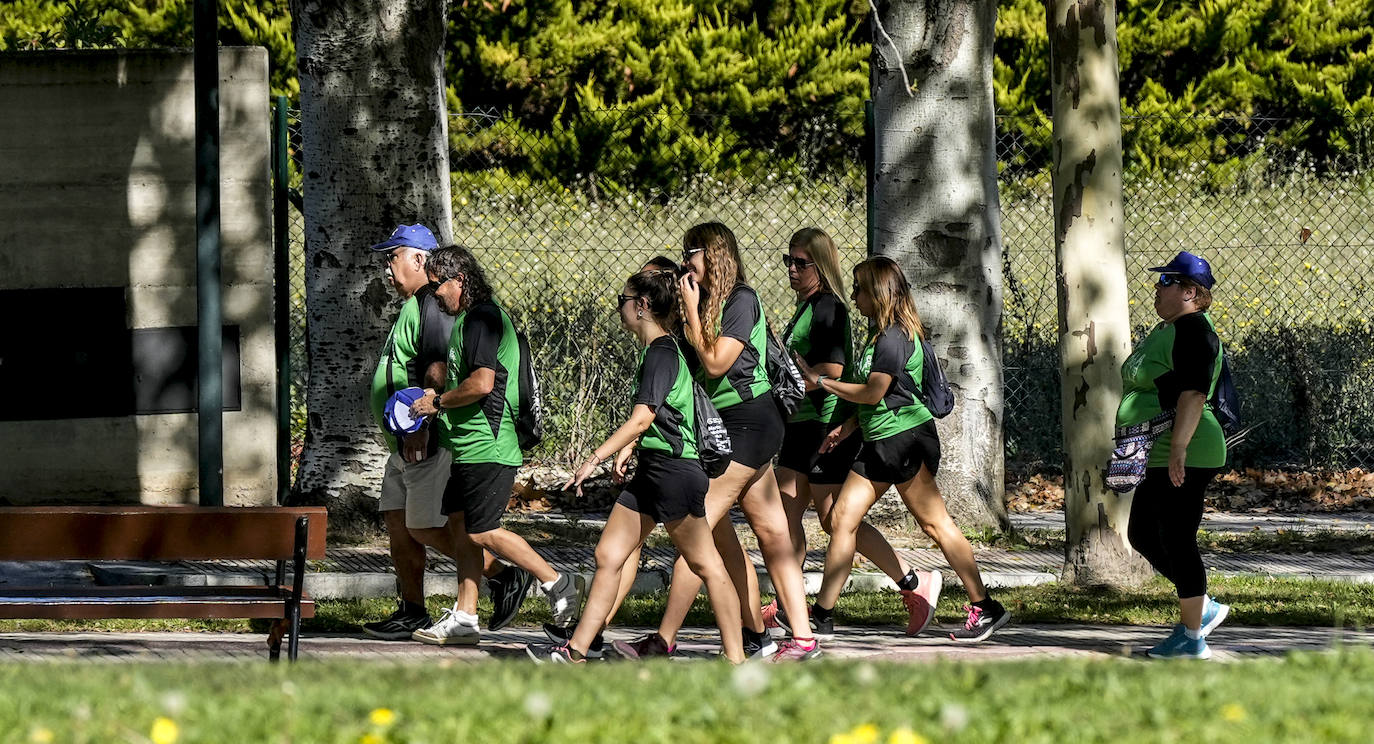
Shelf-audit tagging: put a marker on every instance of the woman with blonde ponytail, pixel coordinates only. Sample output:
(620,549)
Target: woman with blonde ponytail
(819,333)
(724,323)
(900,447)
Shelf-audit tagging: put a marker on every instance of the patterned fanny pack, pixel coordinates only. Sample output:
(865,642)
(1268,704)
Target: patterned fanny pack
(1126,469)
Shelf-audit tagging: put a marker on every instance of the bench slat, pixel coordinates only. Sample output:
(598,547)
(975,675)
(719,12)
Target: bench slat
(85,602)
(54,533)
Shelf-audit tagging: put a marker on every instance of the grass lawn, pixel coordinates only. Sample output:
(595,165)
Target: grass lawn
(1254,601)
(1301,698)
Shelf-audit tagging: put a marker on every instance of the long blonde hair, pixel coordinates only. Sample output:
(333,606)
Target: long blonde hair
(724,270)
(882,279)
(824,254)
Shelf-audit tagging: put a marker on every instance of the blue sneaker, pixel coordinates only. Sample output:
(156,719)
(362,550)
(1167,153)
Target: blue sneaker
(1213,613)
(1179,646)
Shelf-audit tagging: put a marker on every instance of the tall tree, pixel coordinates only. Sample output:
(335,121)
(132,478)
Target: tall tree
(936,212)
(374,136)
(1094,326)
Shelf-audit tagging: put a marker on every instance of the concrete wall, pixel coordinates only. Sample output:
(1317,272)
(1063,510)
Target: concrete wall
(97,189)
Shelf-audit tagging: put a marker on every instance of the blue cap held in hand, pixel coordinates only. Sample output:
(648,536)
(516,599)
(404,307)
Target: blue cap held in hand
(396,414)
(1193,268)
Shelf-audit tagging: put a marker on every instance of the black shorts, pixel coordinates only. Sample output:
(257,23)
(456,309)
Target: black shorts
(755,428)
(898,458)
(666,488)
(481,491)
(800,452)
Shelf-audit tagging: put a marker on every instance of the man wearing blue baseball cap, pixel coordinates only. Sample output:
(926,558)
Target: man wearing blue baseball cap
(417,469)
(1188,266)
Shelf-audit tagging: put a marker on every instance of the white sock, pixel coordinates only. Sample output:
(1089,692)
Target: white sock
(1193,635)
(548,585)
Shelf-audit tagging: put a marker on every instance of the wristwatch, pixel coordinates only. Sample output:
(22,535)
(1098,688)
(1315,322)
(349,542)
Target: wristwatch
(819,380)
(438,406)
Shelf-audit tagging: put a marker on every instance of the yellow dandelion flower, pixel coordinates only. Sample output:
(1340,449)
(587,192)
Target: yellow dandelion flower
(865,734)
(372,739)
(382,717)
(164,731)
(906,736)
(41,735)
(1233,712)
(842,739)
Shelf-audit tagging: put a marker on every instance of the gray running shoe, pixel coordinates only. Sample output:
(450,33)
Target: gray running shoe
(508,591)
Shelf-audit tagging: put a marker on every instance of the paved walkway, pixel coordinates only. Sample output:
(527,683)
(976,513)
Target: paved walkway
(879,644)
(1359,522)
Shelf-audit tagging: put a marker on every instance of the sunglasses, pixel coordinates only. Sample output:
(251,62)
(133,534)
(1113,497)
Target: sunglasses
(687,254)
(621,299)
(1169,280)
(802,264)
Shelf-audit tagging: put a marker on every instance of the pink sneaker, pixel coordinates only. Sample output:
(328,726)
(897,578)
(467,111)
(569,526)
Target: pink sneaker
(794,651)
(920,604)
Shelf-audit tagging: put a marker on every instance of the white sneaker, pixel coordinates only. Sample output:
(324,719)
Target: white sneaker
(562,598)
(454,628)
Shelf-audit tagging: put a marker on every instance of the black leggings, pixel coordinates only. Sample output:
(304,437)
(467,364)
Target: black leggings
(1164,522)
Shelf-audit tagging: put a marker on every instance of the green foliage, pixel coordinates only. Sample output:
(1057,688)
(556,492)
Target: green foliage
(555,67)
(140,24)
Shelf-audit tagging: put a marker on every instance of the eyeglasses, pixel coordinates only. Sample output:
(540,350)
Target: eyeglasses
(688,253)
(437,283)
(802,264)
(624,298)
(1169,280)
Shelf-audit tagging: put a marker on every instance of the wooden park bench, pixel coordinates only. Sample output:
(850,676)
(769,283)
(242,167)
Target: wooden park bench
(166,533)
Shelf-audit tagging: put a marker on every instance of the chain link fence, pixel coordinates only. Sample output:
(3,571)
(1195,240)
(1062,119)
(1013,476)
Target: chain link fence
(560,219)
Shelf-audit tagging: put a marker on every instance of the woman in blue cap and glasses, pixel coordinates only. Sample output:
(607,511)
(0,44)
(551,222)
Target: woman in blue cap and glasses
(1175,369)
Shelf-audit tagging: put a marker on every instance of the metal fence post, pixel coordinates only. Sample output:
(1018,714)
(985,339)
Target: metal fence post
(281,239)
(870,165)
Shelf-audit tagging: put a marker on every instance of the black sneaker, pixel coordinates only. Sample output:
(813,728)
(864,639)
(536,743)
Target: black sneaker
(563,636)
(824,628)
(399,627)
(508,591)
(981,622)
(758,646)
(547,653)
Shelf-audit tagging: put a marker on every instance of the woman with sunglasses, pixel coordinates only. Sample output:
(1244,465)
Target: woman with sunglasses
(725,325)
(561,635)
(820,333)
(1176,368)
(669,486)
(900,447)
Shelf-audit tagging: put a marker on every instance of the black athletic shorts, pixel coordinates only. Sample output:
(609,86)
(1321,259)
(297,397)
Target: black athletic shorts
(800,452)
(898,458)
(755,428)
(666,488)
(481,491)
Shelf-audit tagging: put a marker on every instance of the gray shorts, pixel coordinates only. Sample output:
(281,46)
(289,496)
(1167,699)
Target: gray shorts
(417,487)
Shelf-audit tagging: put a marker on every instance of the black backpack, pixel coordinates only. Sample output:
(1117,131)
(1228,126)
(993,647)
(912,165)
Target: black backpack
(713,442)
(935,392)
(789,388)
(529,420)
(1225,401)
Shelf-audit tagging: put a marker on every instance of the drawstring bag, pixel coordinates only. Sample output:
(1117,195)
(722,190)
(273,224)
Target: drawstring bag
(1126,469)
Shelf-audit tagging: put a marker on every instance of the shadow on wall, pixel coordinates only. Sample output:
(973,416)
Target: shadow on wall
(97,208)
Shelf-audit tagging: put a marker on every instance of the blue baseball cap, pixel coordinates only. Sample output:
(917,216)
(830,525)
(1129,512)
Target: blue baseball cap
(1193,268)
(396,415)
(410,236)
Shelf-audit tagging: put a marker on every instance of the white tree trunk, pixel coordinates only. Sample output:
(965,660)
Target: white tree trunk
(1094,324)
(936,212)
(374,135)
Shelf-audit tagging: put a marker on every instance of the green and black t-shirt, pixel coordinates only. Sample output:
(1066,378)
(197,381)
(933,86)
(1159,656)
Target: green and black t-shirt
(418,338)
(1173,358)
(891,352)
(665,385)
(820,333)
(742,319)
(484,431)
